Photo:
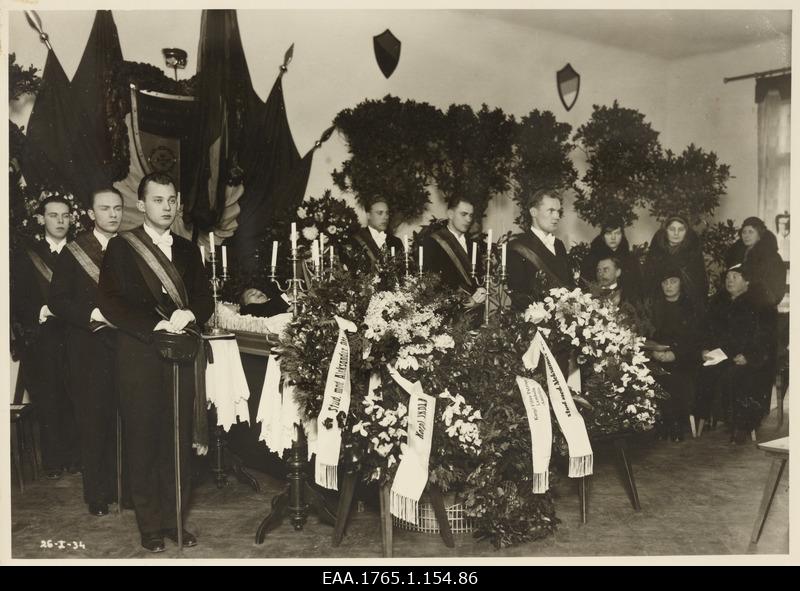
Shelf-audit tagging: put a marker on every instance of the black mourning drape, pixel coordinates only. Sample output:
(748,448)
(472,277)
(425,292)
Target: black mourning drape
(67,144)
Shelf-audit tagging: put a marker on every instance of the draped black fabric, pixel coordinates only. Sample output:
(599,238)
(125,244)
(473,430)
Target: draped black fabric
(91,88)
(783,84)
(68,145)
(225,97)
(55,155)
(275,176)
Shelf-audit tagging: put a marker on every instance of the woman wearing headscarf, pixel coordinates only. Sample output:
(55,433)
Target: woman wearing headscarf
(729,388)
(678,245)
(611,243)
(675,348)
(757,251)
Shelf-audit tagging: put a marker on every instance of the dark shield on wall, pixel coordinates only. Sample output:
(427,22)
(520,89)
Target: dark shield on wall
(569,85)
(387,51)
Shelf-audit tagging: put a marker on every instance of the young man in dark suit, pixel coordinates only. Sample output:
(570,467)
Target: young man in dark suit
(42,337)
(446,253)
(89,350)
(538,250)
(152,280)
(374,241)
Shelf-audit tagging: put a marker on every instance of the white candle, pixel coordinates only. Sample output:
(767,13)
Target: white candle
(489,240)
(321,250)
(405,242)
(392,252)
(420,259)
(315,254)
(474,254)
(503,254)
(179,200)
(224,258)
(202,253)
(293,237)
(274,253)
(331,257)
(211,240)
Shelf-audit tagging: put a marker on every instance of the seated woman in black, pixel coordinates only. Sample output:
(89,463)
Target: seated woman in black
(675,347)
(730,388)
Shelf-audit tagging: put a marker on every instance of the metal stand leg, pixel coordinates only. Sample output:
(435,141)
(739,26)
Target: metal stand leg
(177,439)
(119,464)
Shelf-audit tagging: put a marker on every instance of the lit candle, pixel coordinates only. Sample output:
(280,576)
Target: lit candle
(293,237)
(211,240)
(274,253)
(224,258)
(420,259)
(474,254)
(503,255)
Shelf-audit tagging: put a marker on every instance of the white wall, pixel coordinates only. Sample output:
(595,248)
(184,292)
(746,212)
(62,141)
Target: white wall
(723,117)
(447,56)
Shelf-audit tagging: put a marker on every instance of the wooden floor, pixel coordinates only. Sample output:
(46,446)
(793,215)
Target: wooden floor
(698,497)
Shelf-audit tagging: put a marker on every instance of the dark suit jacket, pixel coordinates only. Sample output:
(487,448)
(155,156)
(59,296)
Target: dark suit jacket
(436,260)
(73,294)
(523,282)
(126,301)
(358,250)
(29,291)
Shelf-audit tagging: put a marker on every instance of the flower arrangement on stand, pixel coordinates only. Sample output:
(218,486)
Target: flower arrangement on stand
(326,215)
(619,389)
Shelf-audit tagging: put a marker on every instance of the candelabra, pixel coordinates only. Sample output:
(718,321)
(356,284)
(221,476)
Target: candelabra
(217,281)
(299,497)
(490,284)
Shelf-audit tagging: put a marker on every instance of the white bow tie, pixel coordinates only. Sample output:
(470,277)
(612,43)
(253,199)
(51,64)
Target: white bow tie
(164,240)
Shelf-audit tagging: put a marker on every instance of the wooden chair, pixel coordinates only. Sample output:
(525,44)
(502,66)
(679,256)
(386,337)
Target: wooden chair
(23,437)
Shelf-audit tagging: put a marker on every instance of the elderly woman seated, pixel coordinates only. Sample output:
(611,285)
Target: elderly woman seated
(675,348)
(733,352)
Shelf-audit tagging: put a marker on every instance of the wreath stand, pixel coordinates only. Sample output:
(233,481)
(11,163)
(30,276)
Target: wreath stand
(620,441)
(344,509)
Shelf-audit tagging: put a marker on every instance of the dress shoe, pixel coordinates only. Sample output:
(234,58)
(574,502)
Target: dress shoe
(98,509)
(189,540)
(54,474)
(153,542)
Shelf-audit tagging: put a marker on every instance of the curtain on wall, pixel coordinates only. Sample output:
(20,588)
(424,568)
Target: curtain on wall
(773,96)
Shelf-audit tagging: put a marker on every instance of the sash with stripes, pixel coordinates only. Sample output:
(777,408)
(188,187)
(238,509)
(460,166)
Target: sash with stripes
(160,265)
(368,248)
(41,267)
(85,261)
(456,260)
(534,258)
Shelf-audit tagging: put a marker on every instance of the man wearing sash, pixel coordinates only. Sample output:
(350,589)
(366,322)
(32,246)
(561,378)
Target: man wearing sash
(446,253)
(152,280)
(42,336)
(374,239)
(89,351)
(538,250)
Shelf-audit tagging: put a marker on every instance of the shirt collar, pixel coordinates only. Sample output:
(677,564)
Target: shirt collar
(376,233)
(459,236)
(56,246)
(154,235)
(545,237)
(101,238)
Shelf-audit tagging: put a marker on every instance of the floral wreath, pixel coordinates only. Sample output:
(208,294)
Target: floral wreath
(32,224)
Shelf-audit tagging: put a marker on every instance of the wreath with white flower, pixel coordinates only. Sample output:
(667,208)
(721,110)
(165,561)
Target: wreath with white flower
(32,223)
(326,215)
(617,382)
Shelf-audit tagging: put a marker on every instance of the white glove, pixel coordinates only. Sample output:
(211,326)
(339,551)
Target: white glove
(164,325)
(180,318)
(44,314)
